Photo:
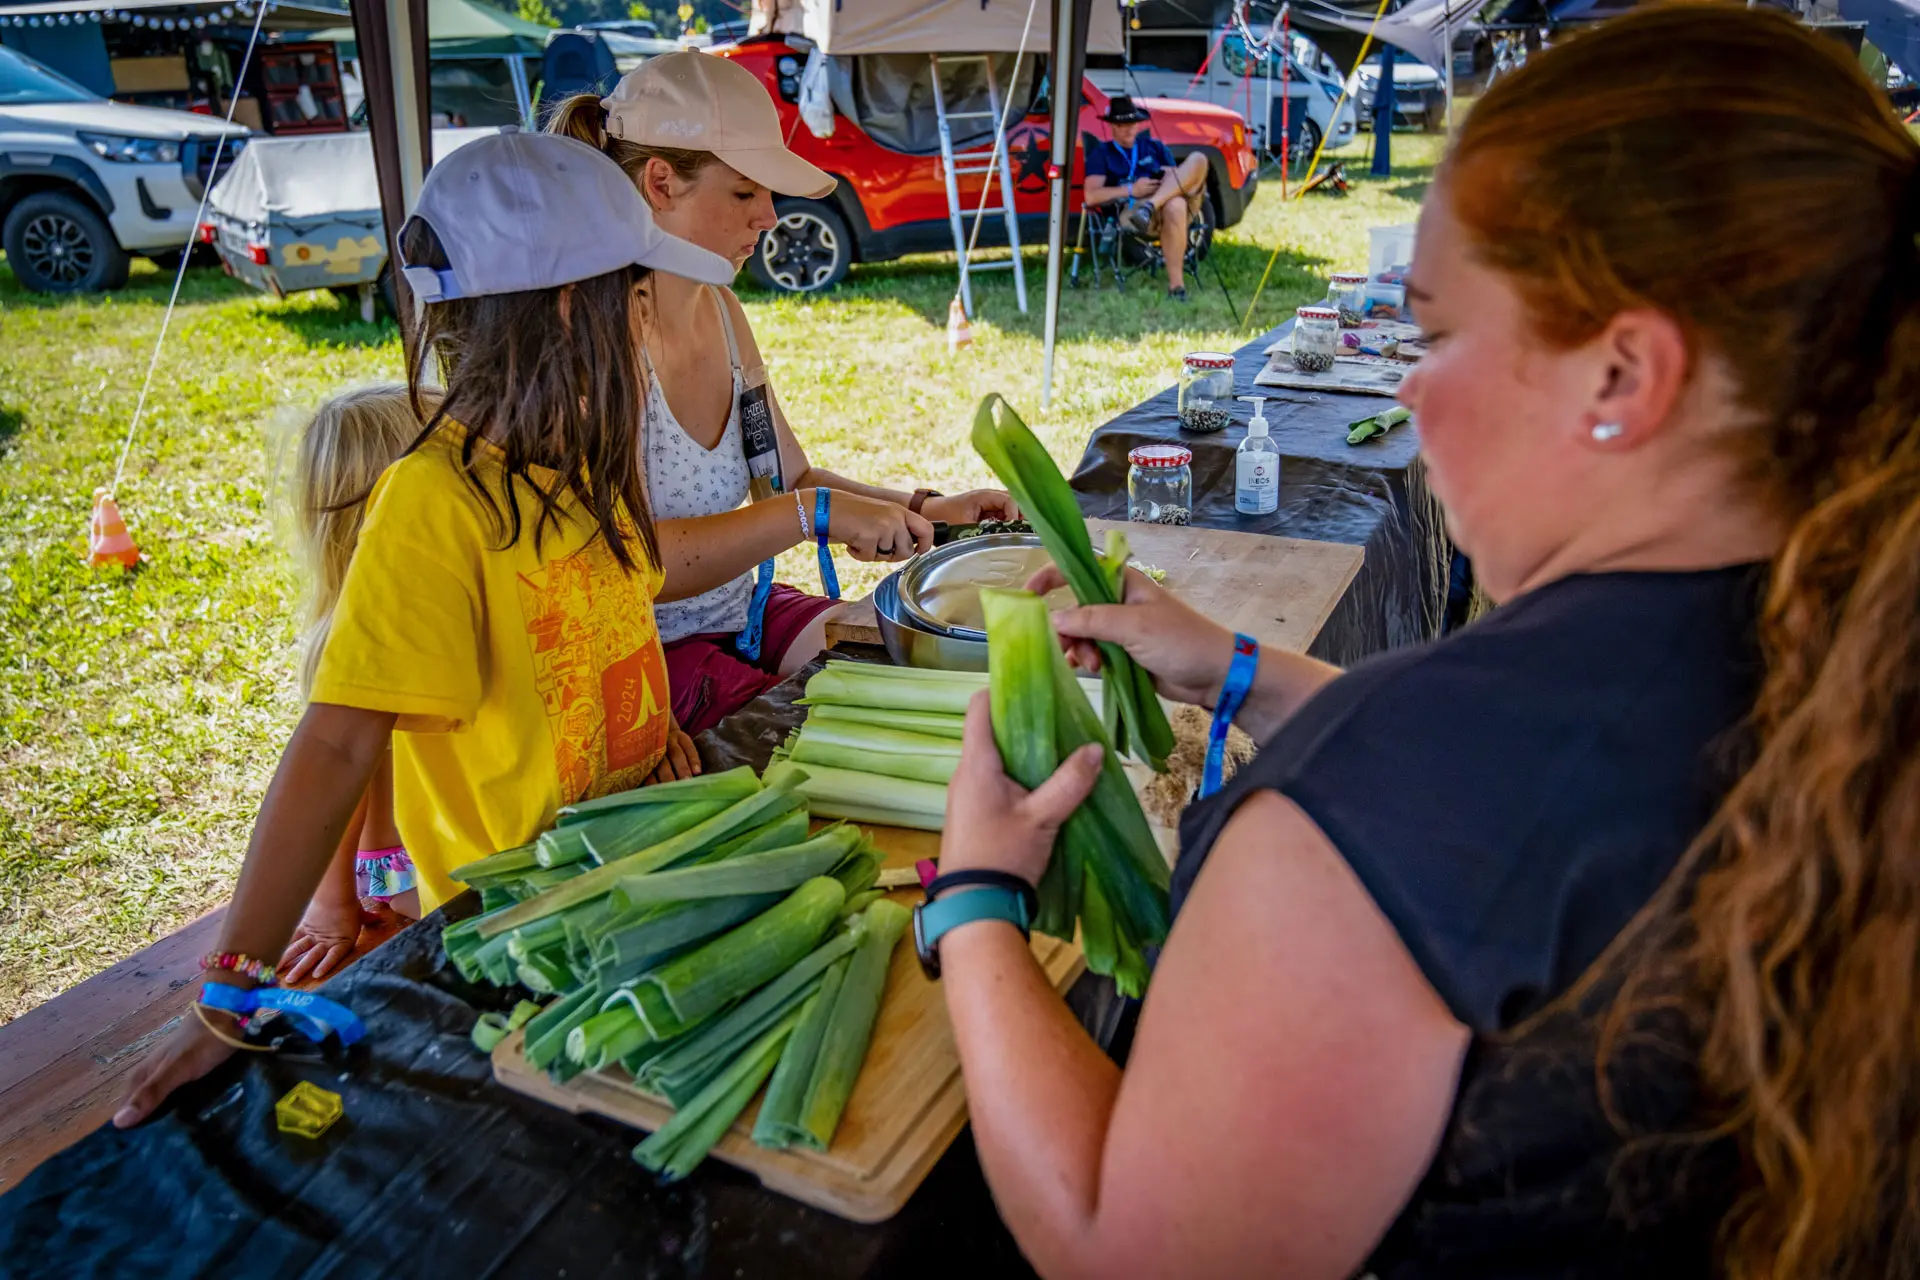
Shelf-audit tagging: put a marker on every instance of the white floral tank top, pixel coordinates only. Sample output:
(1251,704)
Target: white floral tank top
(685,482)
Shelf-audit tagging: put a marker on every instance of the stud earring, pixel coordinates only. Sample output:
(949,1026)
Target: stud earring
(1605,431)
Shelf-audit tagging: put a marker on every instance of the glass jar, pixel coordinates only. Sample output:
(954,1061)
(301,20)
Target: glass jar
(1316,338)
(1347,295)
(1160,484)
(1206,392)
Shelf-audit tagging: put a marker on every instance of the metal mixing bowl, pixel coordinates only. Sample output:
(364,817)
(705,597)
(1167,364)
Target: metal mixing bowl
(934,588)
(910,646)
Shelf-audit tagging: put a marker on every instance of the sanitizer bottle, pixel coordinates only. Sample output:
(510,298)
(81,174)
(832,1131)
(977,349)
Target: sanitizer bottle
(1256,464)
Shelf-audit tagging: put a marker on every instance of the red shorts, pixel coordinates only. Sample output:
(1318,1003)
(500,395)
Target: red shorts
(708,677)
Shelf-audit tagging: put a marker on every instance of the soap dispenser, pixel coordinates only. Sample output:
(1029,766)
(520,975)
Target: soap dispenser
(1256,466)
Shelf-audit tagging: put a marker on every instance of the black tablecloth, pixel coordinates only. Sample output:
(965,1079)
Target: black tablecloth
(436,1170)
(1372,495)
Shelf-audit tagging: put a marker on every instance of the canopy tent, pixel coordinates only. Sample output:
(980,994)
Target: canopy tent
(464,29)
(392,41)
(844,28)
(1423,28)
(1893,26)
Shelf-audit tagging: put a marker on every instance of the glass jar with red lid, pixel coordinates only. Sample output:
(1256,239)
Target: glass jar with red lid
(1316,338)
(1160,484)
(1206,391)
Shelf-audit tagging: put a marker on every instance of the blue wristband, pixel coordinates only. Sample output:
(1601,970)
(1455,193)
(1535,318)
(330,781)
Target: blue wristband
(1240,672)
(315,1017)
(829,580)
(748,641)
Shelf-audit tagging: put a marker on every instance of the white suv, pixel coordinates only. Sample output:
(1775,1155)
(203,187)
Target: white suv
(85,181)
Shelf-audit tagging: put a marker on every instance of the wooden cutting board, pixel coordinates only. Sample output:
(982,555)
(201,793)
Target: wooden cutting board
(907,1107)
(1280,591)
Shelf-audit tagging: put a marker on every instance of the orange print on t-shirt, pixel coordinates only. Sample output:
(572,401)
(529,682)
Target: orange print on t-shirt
(599,668)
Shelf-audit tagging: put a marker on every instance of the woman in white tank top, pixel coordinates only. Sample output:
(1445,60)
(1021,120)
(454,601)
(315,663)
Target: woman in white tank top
(701,138)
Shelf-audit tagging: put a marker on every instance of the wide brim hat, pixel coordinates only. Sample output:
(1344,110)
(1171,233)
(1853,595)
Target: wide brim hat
(1122,110)
(695,101)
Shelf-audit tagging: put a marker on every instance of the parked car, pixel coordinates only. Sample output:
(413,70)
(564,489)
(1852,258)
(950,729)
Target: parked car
(1419,93)
(892,199)
(626,27)
(1167,62)
(86,182)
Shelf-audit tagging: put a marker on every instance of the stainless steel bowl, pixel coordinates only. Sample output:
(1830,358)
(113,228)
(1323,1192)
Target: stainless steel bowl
(910,646)
(939,591)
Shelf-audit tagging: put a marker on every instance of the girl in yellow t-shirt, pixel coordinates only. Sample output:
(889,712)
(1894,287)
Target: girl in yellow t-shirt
(495,624)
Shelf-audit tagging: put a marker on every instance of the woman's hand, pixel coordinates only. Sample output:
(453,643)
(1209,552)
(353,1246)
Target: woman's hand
(682,759)
(875,530)
(1186,652)
(994,823)
(971,507)
(324,939)
(182,1057)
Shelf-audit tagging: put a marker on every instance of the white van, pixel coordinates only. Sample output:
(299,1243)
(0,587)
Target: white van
(1166,63)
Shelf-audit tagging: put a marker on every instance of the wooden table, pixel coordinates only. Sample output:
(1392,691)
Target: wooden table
(1280,591)
(65,1066)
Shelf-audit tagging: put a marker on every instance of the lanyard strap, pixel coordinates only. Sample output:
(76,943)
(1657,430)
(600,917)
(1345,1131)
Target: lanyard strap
(315,1017)
(1240,672)
(829,580)
(748,641)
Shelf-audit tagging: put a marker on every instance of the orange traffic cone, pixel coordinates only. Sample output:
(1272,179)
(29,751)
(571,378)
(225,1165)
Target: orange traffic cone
(959,332)
(108,541)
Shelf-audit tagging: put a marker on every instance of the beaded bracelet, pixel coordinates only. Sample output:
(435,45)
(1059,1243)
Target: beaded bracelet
(244,965)
(806,534)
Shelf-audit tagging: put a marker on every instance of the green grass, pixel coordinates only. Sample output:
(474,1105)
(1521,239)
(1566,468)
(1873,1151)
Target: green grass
(141,714)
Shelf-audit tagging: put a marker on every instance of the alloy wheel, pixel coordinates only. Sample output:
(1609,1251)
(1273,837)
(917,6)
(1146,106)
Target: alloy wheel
(57,248)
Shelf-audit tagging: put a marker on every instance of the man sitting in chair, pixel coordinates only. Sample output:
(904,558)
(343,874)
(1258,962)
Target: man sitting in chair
(1162,199)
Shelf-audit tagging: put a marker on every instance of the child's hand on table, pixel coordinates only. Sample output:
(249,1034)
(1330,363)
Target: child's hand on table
(324,939)
(186,1055)
(682,759)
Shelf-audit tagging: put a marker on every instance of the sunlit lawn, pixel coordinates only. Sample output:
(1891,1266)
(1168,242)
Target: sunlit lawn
(140,714)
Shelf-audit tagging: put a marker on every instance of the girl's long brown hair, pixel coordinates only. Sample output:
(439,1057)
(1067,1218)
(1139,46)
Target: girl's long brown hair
(554,379)
(1739,173)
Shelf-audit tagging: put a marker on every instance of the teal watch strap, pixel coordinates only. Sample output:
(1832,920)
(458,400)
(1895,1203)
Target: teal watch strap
(934,920)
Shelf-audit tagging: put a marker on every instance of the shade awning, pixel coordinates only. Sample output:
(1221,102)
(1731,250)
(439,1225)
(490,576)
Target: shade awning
(281,16)
(851,27)
(461,28)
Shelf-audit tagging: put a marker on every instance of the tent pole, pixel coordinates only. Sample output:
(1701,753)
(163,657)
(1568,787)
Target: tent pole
(1071,18)
(406,101)
(523,95)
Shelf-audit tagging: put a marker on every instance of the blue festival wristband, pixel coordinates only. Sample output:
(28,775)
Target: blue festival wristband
(315,1017)
(1240,672)
(829,580)
(748,641)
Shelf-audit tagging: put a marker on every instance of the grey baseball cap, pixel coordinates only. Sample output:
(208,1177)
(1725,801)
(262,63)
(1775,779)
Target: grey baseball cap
(519,211)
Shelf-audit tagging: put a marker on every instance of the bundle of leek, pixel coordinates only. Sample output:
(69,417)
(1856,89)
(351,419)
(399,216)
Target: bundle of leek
(1107,870)
(1135,721)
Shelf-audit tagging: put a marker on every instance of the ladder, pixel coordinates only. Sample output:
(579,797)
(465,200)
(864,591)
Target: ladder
(977,161)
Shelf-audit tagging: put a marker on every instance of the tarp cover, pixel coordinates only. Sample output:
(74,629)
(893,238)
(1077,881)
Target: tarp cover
(892,98)
(315,177)
(929,26)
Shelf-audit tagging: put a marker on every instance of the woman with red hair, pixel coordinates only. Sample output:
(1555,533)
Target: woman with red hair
(1583,942)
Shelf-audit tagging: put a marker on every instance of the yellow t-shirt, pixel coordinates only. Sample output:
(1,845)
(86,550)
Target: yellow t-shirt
(524,678)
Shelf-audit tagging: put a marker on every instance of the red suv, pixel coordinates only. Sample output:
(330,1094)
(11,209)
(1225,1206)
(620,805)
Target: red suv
(890,203)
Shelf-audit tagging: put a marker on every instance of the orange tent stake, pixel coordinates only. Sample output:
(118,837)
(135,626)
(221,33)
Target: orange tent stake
(108,541)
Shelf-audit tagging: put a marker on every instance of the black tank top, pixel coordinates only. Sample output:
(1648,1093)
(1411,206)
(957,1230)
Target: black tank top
(1511,797)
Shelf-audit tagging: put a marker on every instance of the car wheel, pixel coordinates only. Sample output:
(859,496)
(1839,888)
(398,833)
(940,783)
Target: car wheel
(57,243)
(1434,121)
(807,250)
(1210,218)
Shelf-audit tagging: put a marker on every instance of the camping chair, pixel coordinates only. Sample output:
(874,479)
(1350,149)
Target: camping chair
(1109,245)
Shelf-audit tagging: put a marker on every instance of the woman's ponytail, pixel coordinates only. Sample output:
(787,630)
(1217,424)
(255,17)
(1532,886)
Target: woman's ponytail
(581,117)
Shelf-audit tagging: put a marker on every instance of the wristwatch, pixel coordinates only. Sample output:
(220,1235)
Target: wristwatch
(988,895)
(920,497)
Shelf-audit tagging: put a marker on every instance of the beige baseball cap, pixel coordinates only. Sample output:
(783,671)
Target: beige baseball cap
(701,102)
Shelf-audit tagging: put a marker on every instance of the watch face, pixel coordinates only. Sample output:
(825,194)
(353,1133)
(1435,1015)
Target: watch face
(929,958)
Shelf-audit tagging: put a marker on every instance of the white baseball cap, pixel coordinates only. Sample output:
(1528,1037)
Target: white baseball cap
(520,211)
(703,102)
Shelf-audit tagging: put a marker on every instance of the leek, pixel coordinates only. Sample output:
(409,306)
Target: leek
(662,933)
(776,869)
(729,787)
(679,1145)
(867,797)
(1020,641)
(500,866)
(562,847)
(628,831)
(1031,476)
(773,801)
(778,1124)
(870,749)
(849,1029)
(688,990)
(852,684)
(693,1061)
(547,1034)
(930,723)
